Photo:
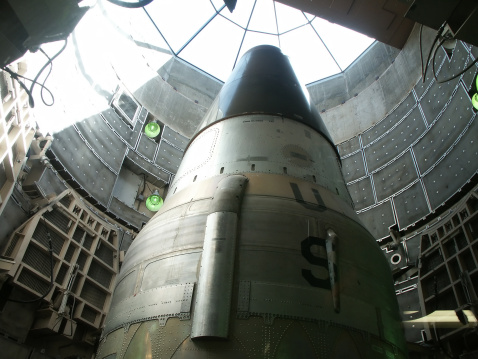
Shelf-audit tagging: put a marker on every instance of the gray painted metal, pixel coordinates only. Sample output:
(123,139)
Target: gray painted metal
(458,166)
(42,181)
(348,147)
(168,157)
(390,121)
(261,144)
(214,290)
(362,193)
(394,143)
(411,205)
(147,147)
(105,143)
(436,98)
(83,165)
(353,167)
(444,132)
(127,213)
(134,160)
(279,282)
(175,138)
(127,187)
(378,219)
(456,64)
(121,129)
(216,274)
(395,176)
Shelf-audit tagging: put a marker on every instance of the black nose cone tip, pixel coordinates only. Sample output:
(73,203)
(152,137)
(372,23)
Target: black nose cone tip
(263,81)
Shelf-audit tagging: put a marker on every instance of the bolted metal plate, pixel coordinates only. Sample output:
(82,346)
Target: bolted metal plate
(83,165)
(168,157)
(444,131)
(453,171)
(456,64)
(103,141)
(394,177)
(378,219)
(175,138)
(361,193)
(135,162)
(147,147)
(127,213)
(411,205)
(349,146)
(436,98)
(390,121)
(396,141)
(353,167)
(164,302)
(121,129)
(127,187)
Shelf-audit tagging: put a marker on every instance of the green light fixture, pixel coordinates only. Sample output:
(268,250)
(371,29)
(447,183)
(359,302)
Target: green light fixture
(474,98)
(152,129)
(154,202)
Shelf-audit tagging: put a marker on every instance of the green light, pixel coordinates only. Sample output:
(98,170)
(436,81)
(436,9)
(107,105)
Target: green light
(474,101)
(152,129)
(154,202)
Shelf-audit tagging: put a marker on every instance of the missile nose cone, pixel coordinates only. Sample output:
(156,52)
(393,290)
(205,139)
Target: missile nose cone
(263,81)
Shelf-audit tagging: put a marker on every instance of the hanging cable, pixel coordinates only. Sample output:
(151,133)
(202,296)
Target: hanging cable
(51,274)
(440,30)
(455,76)
(50,60)
(131,5)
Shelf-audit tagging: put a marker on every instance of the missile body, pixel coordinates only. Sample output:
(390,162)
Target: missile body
(257,251)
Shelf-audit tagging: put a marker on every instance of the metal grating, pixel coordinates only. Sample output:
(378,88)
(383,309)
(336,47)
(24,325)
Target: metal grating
(88,241)
(81,260)
(58,219)
(100,274)
(66,200)
(431,261)
(78,235)
(93,295)
(69,253)
(61,274)
(40,235)
(392,178)
(33,282)
(37,259)
(12,245)
(89,315)
(105,254)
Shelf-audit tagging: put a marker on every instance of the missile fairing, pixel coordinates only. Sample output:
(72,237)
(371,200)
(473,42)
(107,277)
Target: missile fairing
(257,251)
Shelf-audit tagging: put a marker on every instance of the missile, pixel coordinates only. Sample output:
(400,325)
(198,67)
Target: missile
(257,251)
